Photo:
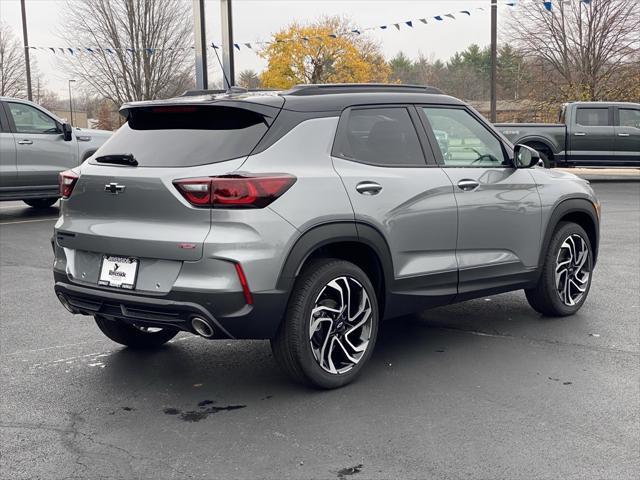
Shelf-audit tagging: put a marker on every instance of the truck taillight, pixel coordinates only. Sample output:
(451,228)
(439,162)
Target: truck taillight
(66,181)
(234,191)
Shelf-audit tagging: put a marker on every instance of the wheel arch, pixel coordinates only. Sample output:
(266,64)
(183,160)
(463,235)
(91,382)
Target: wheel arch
(531,139)
(359,243)
(577,210)
(87,154)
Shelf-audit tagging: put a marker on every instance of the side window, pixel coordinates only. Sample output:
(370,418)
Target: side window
(628,117)
(463,140)
(592,117)
(28,119)
(380,136)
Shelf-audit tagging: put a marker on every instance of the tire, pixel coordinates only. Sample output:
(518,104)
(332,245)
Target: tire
(551,296)
(41,203)
(299,352)
(134,337)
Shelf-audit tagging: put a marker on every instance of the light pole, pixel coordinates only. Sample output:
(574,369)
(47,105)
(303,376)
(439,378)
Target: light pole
(71,102)
(25,41)
(494,61)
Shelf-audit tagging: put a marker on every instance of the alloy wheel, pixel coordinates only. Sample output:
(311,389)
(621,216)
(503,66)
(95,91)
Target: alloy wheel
(340,325)
(572,269)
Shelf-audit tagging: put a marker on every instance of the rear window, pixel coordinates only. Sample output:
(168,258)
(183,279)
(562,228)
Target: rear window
(186,136)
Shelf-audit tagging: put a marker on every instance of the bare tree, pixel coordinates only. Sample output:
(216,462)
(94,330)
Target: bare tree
(586,44)
(12,66)
(141,48)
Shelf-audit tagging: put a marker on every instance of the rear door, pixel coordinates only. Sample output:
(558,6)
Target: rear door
(381,160)
(8,168)
(136,210)
(591,135)
(499,213)
(41,149)
(627,139)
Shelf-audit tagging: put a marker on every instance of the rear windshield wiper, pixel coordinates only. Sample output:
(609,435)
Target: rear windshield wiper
(119,159)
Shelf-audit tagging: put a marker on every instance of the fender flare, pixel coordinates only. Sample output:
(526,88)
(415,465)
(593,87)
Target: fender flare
(536,139)
(335,232)
(565,207)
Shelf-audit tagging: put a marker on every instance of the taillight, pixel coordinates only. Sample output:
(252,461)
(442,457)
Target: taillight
(66,181)
(234,191)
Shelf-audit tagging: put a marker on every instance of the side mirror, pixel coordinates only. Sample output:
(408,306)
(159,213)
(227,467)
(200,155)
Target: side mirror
(525,157)
(66,131)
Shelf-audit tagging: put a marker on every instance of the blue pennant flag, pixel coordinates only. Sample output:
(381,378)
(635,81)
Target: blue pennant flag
(585,1)
(149,50)
(397,25)
(333,35)
(438,17)
(237,46)
(547,5)
(423,20)
(248,45)
(450,15)
(356,31)
(409,23)
(108,50)
(510,4)
(70,50)
(383,27)
(89,50)
(131,50)
(466,11)
(215,46)
(53,50)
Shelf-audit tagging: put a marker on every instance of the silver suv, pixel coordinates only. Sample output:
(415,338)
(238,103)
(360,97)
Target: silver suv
(309,216)
(35,146)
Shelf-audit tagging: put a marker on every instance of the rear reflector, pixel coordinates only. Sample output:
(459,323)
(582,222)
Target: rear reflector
(66,181)
(245,287)
(234,191)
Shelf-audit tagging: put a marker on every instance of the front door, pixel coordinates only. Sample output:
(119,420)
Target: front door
(381,161)
(40,146)
(499,212)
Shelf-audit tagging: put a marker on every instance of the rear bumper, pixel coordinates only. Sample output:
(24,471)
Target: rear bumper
(228,312)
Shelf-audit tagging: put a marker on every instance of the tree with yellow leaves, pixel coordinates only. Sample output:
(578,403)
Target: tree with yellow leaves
(327,51)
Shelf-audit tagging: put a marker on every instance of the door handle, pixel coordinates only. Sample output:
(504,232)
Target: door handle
(468,185)
(579,134)
(623,134)
(368,188)
(25,142)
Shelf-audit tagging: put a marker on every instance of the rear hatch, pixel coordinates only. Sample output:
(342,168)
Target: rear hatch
(125,203)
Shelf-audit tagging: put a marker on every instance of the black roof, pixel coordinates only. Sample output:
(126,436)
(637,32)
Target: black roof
(315,98)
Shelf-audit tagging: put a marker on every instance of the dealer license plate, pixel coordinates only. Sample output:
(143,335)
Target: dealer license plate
(118,272)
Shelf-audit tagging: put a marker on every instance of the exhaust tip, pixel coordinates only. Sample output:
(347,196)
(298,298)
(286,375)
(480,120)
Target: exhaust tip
(65,303)
(202,327)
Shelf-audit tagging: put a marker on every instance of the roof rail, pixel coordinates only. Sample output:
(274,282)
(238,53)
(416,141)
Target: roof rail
(231,91)
(328,88)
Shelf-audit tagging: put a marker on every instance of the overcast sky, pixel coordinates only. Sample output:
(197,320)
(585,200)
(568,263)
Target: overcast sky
(258,19)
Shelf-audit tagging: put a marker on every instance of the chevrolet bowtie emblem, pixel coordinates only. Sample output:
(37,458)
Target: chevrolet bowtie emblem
(114,188)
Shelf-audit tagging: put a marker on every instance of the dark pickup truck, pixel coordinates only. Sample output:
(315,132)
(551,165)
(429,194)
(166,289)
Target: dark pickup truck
(589,133)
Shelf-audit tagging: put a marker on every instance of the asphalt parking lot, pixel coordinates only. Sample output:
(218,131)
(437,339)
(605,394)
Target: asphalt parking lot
(484,389)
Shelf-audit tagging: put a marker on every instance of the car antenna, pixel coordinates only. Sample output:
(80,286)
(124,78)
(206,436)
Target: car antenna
(215,50)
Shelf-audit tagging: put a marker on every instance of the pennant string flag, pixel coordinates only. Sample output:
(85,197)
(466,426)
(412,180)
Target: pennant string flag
(78,51)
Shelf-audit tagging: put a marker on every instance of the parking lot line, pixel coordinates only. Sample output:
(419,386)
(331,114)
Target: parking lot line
(29,221)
